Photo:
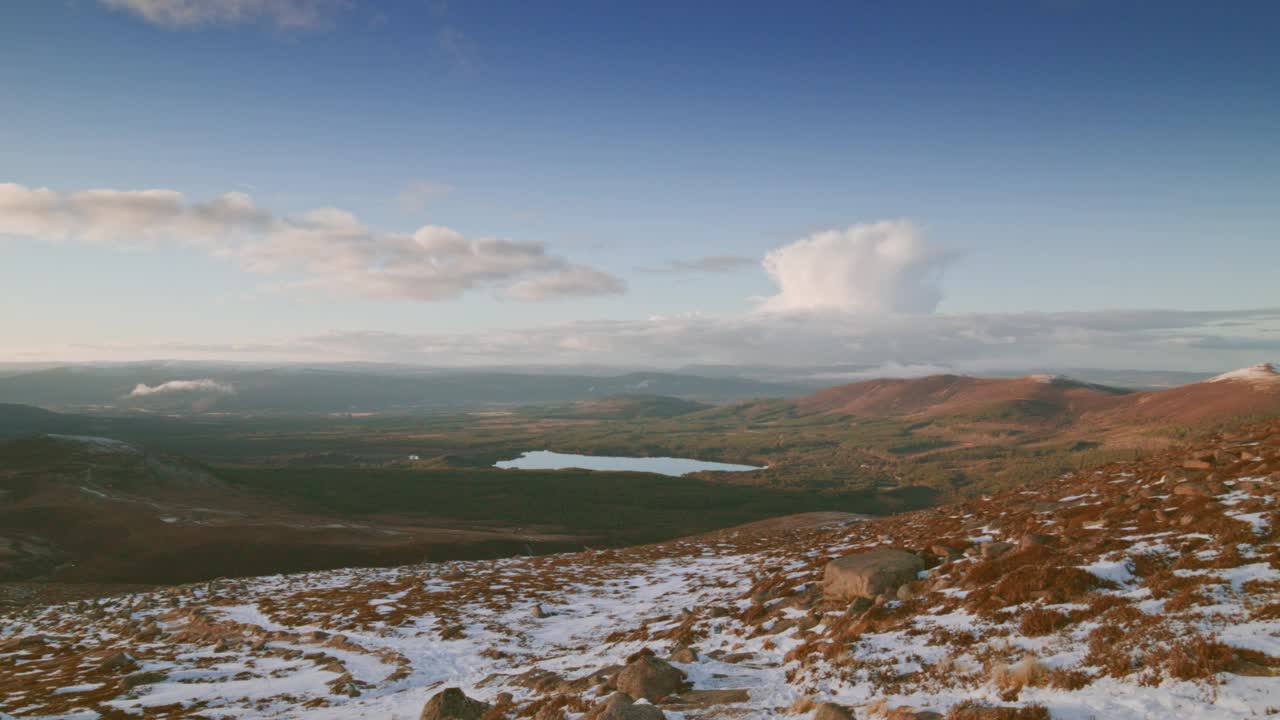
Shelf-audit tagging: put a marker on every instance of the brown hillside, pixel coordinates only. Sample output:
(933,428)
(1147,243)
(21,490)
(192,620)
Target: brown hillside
(1244,393)
(939,395)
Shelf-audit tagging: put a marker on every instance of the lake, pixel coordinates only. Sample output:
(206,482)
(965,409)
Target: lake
(675,467)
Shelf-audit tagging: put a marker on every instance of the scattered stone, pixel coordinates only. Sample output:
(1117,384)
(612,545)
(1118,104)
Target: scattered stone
(684,654)
(831,711)
(453,704)
(620,706)
(1031,540)
(706,698)
(119,662)
(993,550)
(143,678)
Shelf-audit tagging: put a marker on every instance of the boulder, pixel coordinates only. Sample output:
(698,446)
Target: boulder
(945,551)
(453,704)
(831,711)
(1191,489)
(119,662)
(706,698)
(1031,540)
(869,574)
(993,550)
(648,677)
(620,706)
(143,678)
(684,654)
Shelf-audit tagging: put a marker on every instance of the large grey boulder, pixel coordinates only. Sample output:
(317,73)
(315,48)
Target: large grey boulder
(453,704)
(645,676)
(869,574)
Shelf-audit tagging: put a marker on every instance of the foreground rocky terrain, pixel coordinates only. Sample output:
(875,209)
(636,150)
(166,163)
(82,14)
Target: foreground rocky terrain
(1146,589)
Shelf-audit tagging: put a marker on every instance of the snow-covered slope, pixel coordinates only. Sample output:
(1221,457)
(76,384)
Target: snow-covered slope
(1142,590)
(1260,374)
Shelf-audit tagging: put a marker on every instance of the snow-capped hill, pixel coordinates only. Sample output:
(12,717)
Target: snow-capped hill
(1260,374)
(1142,589)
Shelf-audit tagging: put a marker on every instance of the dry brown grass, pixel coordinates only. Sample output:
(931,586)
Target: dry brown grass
(1011,679)
(1195,659)
(1267,612)
(1041,621)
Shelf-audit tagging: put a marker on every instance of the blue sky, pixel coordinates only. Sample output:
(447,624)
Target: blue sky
(1071,158)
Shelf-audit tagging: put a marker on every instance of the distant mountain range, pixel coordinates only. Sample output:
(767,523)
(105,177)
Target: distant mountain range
(1242,393)
(183,388)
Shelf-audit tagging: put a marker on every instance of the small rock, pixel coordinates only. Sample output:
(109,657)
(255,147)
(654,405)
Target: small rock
(684,654)
(143,678)
(1191,489)
(452,704)
(1031,540)
(120,662)
(831,711)
(859,605)
(993,550)
(620,706)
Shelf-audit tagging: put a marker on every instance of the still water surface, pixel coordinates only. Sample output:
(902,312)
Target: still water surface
(675,467)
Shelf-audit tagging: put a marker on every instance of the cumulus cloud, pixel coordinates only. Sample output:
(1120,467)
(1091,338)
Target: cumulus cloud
(283,14)
(327,248)
(882,267)
(417,195)
(205,385)
(708,264)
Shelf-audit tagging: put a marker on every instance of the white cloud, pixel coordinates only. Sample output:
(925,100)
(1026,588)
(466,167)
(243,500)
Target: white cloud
(205,385)
(326,248)
(883,267)
(417,195)
(283,14)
